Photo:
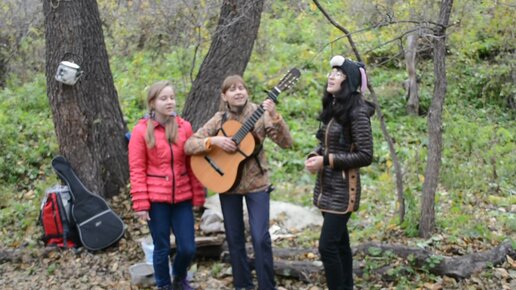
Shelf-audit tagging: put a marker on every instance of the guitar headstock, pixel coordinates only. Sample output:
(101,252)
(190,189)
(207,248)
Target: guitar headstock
(288,80)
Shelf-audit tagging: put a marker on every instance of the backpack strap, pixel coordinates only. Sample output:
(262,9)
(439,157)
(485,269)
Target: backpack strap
(222,121)
(64,219)
(255,156)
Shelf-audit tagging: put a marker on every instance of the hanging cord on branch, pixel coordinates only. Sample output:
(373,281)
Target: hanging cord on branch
(54,6)
(388,138)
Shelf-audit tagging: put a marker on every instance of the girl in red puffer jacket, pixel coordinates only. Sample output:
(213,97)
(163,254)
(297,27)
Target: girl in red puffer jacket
(163,187)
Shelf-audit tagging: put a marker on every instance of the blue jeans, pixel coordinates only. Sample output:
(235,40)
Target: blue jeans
(178,217)
(258,206)
(336,252)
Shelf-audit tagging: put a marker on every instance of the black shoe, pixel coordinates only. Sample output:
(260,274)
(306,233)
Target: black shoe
(181,284)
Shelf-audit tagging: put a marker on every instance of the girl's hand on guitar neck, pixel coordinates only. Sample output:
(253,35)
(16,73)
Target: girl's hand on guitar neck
(143,215)
(225,143)
(269,106)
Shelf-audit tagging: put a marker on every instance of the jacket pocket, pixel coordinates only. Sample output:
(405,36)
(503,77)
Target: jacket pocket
(158,176)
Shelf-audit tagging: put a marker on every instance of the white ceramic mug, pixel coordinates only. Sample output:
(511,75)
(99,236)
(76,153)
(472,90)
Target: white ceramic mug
(68,72)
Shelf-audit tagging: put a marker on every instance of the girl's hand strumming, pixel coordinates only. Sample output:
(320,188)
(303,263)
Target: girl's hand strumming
(225,143)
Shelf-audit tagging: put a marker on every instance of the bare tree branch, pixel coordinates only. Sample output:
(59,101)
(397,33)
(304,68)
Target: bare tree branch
(421,24)
(341,28)
(196,50)
(400,37)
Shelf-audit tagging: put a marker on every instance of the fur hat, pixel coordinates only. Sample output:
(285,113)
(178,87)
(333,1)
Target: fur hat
(354,71)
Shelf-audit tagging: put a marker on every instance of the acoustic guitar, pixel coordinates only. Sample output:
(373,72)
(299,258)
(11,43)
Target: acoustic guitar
(219,170)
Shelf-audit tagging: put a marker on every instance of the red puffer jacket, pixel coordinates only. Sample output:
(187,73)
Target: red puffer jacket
(162,173)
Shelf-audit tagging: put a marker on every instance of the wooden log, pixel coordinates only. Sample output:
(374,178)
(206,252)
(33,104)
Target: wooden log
(302,270)
(10,255)
(305,271)
(457,267)
(210,247)
(290,263)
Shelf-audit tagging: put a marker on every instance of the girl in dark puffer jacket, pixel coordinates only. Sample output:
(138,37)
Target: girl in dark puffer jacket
(345,145)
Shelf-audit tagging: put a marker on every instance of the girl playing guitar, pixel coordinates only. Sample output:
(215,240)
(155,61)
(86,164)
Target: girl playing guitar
(253,184)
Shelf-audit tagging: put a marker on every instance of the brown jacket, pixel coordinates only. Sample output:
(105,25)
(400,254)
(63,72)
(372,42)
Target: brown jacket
(252,179)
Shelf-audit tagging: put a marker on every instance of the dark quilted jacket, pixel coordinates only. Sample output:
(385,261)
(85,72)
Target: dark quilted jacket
(345,149)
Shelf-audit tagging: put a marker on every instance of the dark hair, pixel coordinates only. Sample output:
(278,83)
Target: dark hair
(339,105)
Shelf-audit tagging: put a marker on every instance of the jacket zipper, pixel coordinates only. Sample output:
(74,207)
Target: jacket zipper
(325,152)
(173,174)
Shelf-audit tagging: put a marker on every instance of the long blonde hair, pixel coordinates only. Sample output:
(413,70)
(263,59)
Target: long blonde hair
(170,125)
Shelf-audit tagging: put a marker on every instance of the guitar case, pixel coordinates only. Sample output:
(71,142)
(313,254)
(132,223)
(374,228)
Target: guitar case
(99,227)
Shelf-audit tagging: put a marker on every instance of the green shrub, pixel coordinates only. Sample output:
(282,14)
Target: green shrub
(28,140)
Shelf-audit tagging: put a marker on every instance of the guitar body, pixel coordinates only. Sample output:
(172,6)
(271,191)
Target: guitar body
(99,227)
(219,170)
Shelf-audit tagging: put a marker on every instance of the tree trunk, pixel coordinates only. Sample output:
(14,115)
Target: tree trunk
(87,116)
(412,87)
(435,142)
(230,50)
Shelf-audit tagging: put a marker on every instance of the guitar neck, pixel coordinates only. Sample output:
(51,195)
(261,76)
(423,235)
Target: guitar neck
(249,123)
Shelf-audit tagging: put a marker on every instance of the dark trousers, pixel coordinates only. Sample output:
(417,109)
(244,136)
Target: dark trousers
(336,252)
(178,217)
(258,206)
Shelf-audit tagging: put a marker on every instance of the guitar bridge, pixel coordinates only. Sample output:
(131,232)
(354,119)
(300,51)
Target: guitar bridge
(214,166)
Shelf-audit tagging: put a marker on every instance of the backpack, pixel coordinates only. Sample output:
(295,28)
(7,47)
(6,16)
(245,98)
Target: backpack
(59,229)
